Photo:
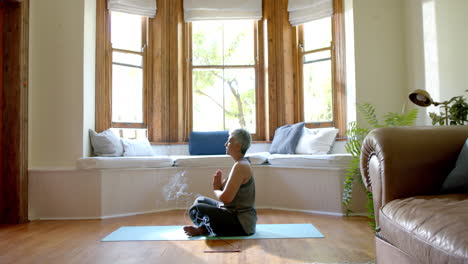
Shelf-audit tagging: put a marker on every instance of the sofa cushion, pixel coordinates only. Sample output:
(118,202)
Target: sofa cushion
(124,162)
(328,161)
(457,180)
(208,143)
(217,160)
(411,225)
(286,139)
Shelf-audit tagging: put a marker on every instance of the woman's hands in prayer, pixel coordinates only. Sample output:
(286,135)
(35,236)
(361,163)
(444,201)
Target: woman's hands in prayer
(217,180)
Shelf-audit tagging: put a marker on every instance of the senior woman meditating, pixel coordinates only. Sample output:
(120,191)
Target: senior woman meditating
(235,215)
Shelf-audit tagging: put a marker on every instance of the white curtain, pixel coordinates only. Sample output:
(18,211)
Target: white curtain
(302,11)
(136,7)
(195,10)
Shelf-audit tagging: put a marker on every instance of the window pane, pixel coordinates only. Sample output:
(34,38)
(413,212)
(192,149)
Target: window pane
(127,59)
(316,56)
(317,34)
(130,133)
(127,94)
(239,87)
(224,99)
(317,74)
(126,31)
(207,100)
(239,42)
(223,42)
(207,40)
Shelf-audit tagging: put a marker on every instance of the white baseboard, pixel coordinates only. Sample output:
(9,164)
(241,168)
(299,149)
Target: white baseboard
(301,210)
(137,213)
(183,208)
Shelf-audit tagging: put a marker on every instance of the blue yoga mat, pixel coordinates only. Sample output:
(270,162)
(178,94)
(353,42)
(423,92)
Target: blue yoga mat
(140,233)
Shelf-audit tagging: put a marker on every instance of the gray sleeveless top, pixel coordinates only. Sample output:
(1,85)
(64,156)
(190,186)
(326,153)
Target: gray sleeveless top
(243,205)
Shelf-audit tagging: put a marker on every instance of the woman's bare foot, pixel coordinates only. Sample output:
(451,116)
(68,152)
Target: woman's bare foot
(195,230)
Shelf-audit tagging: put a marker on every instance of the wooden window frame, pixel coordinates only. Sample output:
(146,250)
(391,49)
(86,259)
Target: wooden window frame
(338,73)
(104,51)
(143,54)
(164,102)
(301,54)
(102,95)
(258,67)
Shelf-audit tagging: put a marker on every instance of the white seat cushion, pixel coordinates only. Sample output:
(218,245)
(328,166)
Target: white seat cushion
(125,162)
(217,160)
(203,161)
(258,158)
(328,161)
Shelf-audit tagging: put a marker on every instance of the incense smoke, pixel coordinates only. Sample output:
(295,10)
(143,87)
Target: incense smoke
(177,188)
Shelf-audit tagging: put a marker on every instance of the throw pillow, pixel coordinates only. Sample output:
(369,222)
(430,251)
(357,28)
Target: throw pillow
(457,180)
(106,144)
(318,141)
(286,139)
(208,143)
(137,147)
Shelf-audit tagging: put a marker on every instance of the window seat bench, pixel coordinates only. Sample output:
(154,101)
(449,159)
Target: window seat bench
(263,158)
(100,188)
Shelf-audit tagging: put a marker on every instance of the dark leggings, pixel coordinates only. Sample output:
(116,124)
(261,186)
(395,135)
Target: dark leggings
(218,221)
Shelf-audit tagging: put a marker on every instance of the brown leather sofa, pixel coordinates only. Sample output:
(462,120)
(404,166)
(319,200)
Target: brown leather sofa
(405,167)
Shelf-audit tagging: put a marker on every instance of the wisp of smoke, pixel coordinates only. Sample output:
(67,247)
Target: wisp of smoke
(177,187)
(176,190)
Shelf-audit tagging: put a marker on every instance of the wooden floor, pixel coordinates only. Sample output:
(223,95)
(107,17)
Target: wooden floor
(346,240)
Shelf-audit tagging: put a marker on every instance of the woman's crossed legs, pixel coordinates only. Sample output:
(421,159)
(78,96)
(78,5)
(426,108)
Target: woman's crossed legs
(210,218)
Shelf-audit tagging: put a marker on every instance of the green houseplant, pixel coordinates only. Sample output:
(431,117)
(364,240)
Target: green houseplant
(356,134)
(455,114)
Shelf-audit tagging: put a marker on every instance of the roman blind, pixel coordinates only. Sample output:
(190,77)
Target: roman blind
(136,7)
(302,11)
(195,10)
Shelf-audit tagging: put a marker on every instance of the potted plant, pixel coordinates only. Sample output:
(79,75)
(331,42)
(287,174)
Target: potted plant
(356,134)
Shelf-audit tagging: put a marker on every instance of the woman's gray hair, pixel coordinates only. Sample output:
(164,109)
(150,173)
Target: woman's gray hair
(242,137)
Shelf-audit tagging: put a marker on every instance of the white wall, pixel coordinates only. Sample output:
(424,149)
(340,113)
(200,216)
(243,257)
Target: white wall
(403,45)
(60,84)
(380,54)
(452,39)
(350,62)
(436,46)
(89,69)
(415,54)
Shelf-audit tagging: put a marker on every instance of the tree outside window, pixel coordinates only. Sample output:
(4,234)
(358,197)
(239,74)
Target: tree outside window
(223,75)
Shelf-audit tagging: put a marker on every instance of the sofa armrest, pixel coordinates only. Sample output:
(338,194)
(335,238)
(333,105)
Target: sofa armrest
(400,162)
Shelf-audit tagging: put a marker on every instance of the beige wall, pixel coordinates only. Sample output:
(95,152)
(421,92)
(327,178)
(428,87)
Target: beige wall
(61,81)
(436,49)
(452,39)
(403,45)
(380,55)
(415,53)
